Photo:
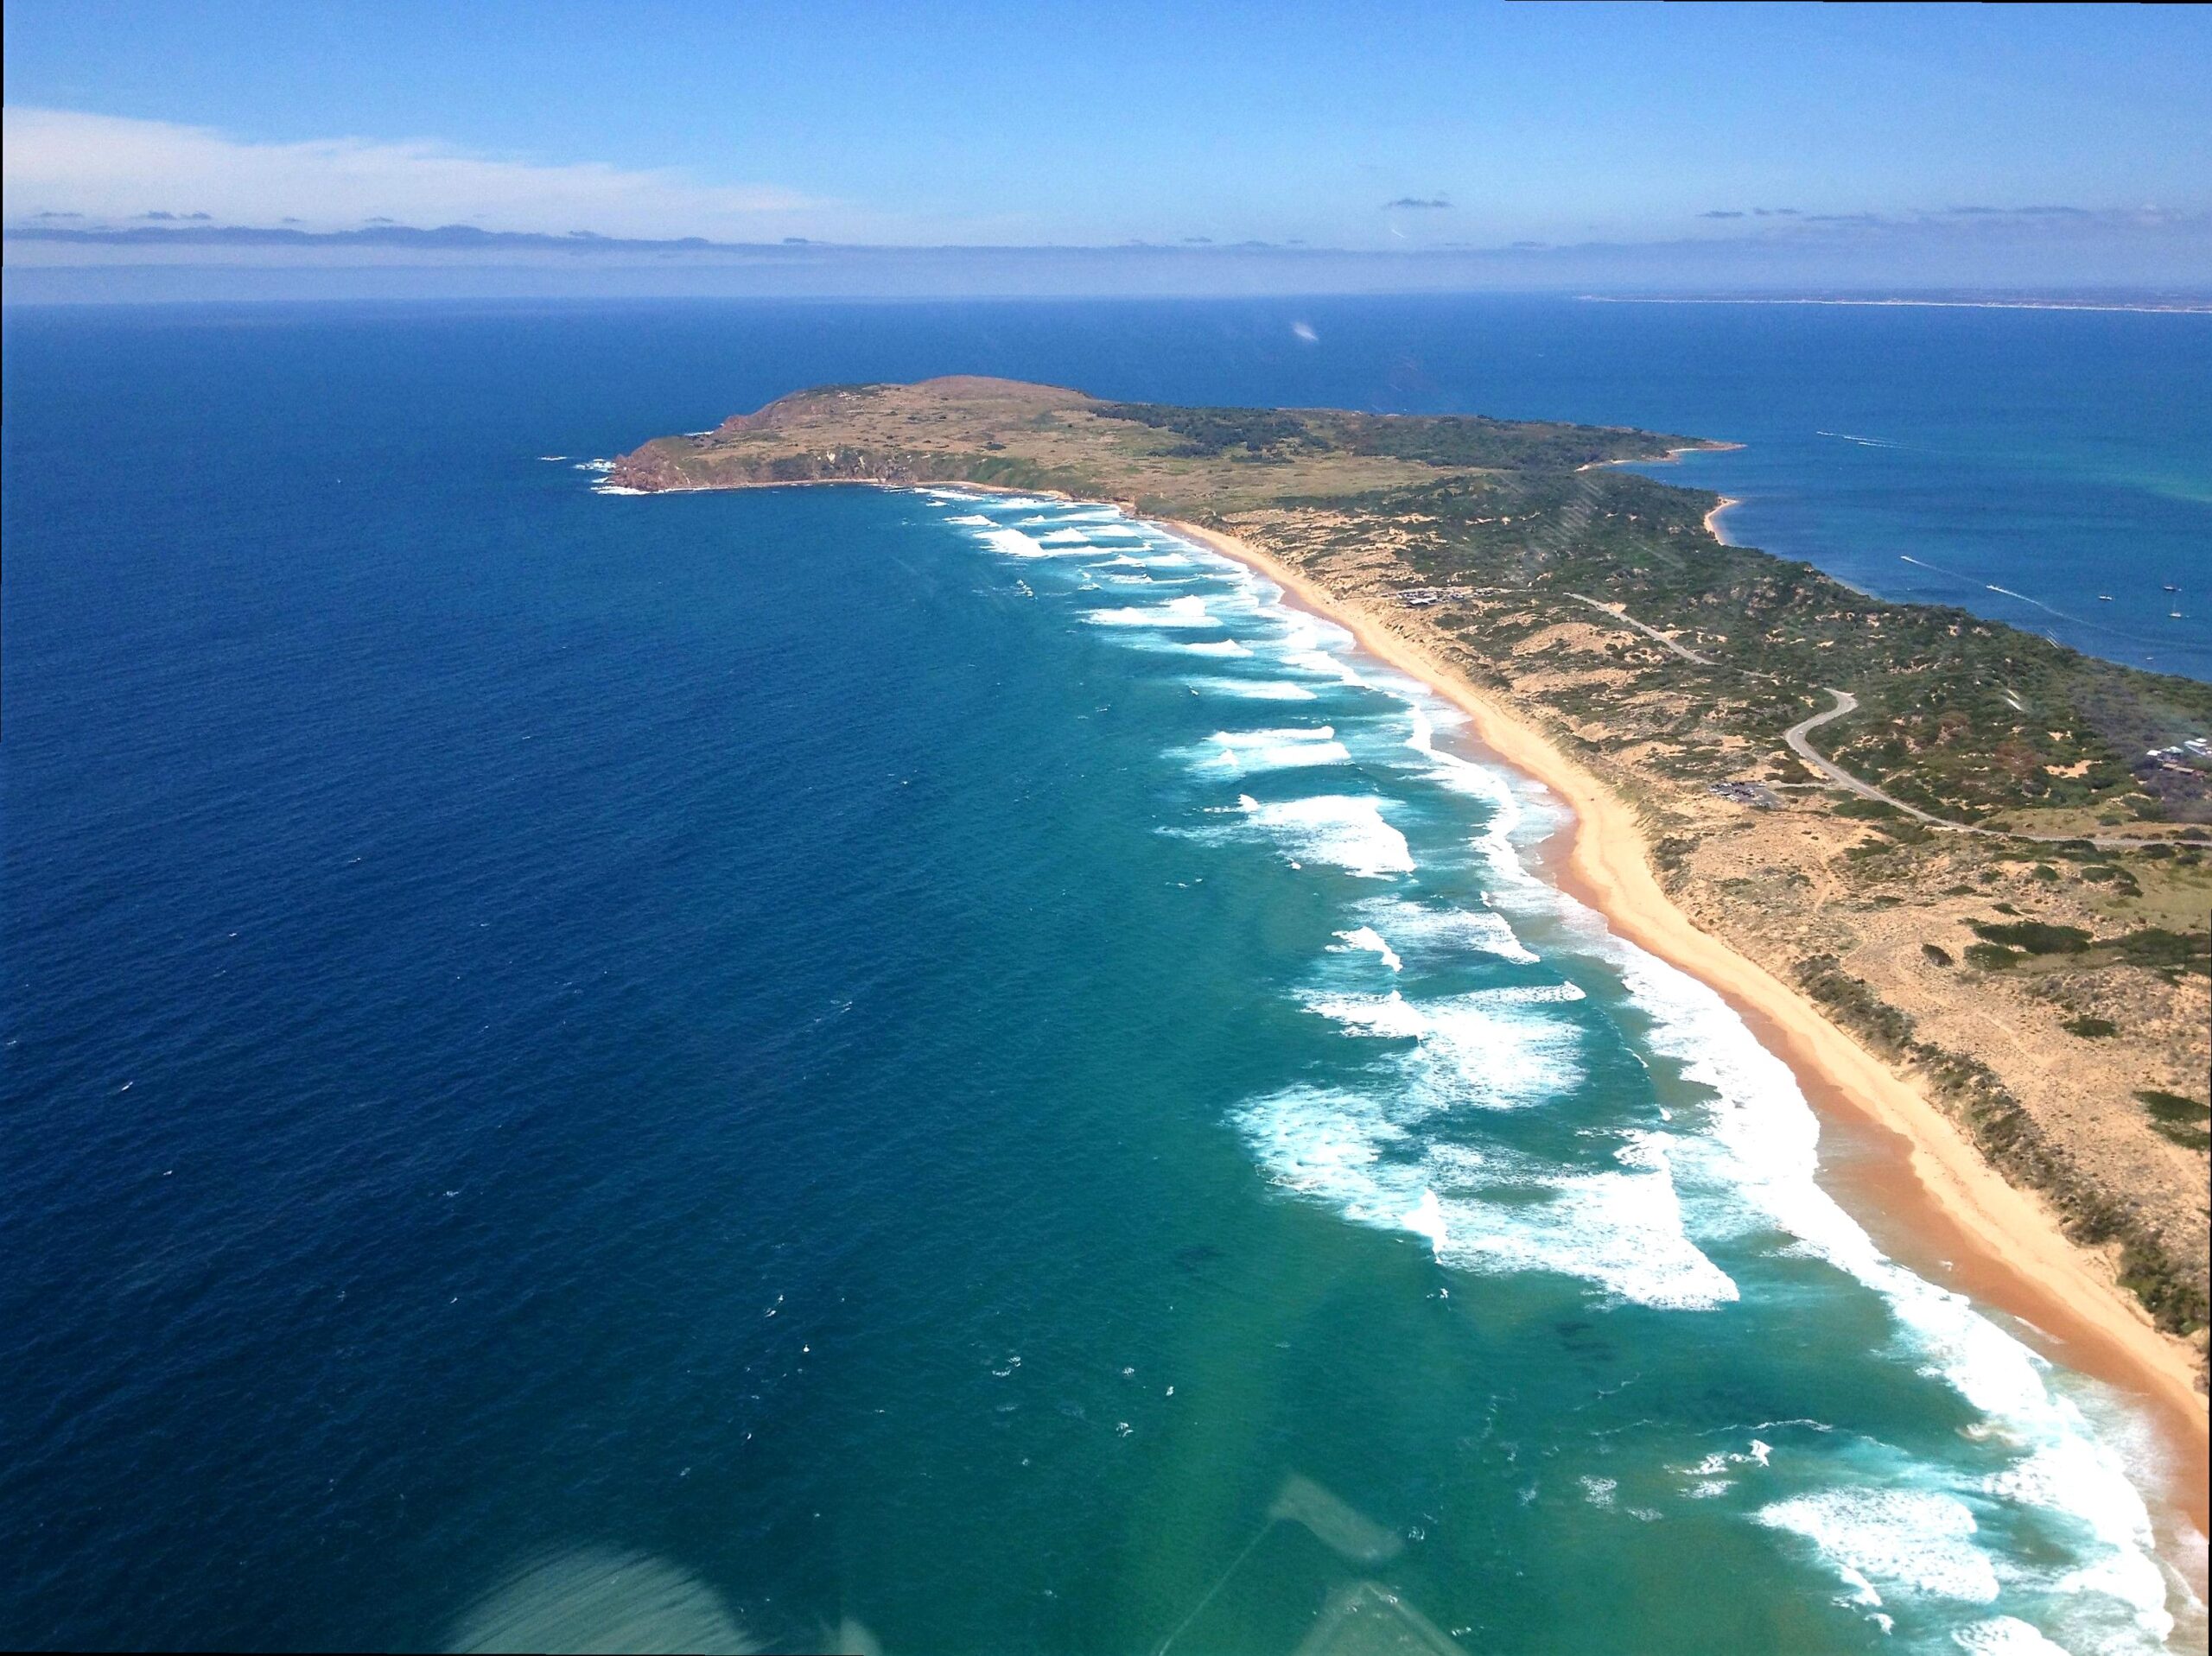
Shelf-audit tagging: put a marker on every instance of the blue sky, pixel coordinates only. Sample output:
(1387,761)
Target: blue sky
(1102,124)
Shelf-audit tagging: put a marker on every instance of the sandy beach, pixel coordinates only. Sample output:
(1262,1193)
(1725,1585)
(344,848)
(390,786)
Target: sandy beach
(1938,1203)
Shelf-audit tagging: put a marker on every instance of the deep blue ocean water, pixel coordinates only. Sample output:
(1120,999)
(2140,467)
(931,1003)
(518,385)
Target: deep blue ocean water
(651,1068)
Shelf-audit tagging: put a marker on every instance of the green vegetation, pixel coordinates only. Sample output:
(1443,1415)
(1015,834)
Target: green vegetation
(1456,441)
(2182,1119)
(1936,954)
(2035,936)
(1208,432)
(1958,715)
(2090,1028)
(2170,952)
(1993,957)
(2009,1137)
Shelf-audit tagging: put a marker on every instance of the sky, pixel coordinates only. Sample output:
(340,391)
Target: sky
(1738,145)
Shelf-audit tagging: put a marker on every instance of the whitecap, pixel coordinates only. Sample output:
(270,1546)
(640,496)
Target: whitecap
(1892,1541)
(1619,1230)
(1241,752)
(1175,613)
(1012,542)
(1252,689)
(1322,664)
(1439,933)
(1367,938)
(1346,830)
(1486,1048)
(2005,1635)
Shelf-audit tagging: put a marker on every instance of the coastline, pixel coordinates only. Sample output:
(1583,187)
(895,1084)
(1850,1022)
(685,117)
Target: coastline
(1713,519)
(2179,307)
(1936,1185)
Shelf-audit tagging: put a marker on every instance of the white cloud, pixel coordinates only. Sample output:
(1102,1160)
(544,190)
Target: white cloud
(112,168)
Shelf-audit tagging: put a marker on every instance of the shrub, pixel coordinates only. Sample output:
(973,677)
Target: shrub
(2160,950)
(2172,1106)
(2035,937)
(2090,1028)
(2182,1119)
(1935,956)
(1993,957)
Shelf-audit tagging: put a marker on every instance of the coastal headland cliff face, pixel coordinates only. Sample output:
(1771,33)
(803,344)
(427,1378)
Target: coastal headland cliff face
(1978,854)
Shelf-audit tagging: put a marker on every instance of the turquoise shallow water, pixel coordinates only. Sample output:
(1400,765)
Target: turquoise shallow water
(660,1068)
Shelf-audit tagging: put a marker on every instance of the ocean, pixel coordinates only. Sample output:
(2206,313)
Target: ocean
(865,1067)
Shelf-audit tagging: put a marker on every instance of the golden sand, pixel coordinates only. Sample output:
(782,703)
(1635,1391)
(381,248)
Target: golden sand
(2005,1246)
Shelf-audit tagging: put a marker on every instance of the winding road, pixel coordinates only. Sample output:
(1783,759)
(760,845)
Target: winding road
(1846,703)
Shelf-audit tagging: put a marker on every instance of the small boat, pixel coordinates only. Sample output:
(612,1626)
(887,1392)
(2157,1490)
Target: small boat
(2104,597)
(2171,587)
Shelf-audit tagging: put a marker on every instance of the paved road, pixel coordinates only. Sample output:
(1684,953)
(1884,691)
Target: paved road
(1846,703)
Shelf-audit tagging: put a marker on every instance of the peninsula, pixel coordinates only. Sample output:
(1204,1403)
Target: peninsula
(1954,873)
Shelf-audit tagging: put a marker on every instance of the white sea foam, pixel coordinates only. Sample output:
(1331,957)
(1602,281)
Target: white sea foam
(1242,752)
(1215,647)
(1621,1229)
(1758,1158)
(1346,830)
(1367,938)
(1486,1048)
(1252,689)
(2005,1635)
(1323,664)
(1175,613)
(1891,1542)
(1434,934)
(1328,1143)
(1013,543)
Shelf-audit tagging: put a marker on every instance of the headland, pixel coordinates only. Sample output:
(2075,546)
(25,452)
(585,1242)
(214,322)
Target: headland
(1985,948)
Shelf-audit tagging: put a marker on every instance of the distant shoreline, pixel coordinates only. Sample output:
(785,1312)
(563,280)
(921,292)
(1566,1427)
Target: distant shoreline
(2177,307)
